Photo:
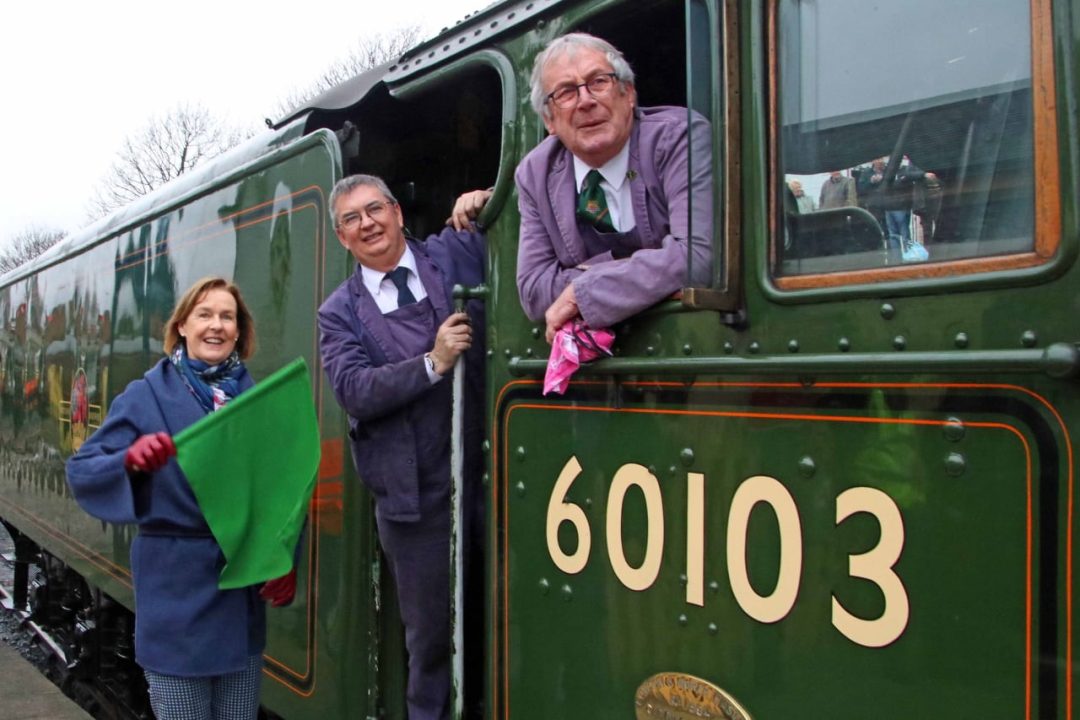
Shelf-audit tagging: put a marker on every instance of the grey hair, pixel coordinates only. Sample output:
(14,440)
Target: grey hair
(569,44)
(346,185)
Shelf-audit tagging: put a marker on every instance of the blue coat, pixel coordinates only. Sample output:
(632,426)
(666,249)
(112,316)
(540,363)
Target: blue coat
(184,625)
(384,392)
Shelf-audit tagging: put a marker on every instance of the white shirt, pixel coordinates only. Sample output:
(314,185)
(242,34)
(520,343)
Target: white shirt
(383,288)
(385,292)
(615,185)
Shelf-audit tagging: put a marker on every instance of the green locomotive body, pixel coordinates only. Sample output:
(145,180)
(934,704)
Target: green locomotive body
(837,480)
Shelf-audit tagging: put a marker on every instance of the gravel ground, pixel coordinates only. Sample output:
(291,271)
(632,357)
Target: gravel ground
(12,631)
(19,636)
(6,546)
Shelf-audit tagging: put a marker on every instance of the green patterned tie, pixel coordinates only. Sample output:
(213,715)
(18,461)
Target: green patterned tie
(592,204)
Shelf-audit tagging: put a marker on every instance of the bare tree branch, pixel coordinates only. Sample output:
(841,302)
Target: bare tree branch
(27,245)
(167,147)
(370,51)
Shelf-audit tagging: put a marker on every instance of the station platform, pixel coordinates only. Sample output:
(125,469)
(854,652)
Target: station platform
(26,694)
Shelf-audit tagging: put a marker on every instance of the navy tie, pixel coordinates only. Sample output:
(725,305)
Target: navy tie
(400,277)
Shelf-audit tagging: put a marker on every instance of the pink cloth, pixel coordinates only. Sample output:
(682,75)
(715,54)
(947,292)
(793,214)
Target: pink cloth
(574,344)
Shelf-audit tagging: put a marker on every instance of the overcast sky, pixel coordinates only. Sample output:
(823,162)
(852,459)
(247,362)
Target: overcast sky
(78,77)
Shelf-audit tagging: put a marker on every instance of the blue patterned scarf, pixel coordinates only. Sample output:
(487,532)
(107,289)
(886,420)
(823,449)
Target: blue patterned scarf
(212,385)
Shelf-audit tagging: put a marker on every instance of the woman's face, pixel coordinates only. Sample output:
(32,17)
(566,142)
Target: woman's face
(211,330)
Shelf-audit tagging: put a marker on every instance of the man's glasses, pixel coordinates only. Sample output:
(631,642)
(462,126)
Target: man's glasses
(566,96)
(376,211)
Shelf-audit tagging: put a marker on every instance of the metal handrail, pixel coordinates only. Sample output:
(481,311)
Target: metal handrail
(1059,360)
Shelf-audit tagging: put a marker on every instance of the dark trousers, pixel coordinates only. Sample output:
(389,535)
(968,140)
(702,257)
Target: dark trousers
(419,558)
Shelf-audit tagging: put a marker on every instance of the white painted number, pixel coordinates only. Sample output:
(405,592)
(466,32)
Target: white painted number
(559,512)
(773,607)
(643,577)
(875,566)
(695,539)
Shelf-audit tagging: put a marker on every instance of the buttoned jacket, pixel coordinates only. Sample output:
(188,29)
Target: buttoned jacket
(384,392)
(671,196)
(184,625)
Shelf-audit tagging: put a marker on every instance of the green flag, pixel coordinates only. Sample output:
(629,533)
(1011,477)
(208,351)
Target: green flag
(252,466)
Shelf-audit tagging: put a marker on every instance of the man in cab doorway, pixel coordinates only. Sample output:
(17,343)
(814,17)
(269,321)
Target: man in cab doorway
(389,339)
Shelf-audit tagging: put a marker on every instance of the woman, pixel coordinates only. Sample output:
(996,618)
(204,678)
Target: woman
(200,647)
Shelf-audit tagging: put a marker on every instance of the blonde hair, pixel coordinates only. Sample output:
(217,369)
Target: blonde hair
(245,341)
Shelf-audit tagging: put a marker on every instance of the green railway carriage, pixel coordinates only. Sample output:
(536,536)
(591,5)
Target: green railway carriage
(836,481)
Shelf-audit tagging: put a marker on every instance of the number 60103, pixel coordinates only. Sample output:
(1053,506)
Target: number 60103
(876,565)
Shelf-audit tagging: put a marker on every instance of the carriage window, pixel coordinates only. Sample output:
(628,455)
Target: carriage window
(906,134)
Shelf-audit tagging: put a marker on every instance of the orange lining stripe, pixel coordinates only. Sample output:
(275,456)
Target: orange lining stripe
(151,252)
(311,646)
(495,577)
(1069,503)
(218,222)
(117,572)
(311,651)
(798,416)
(311,655)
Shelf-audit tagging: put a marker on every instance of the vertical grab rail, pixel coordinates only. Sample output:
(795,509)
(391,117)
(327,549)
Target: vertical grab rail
(457,481)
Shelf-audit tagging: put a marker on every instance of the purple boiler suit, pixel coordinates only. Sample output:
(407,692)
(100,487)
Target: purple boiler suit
(399,430)
(671,194)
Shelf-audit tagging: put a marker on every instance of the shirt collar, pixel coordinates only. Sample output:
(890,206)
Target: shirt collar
(613,171)
(373,278)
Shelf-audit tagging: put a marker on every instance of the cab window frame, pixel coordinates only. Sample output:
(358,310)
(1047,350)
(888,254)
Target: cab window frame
(493,59)
(715,56)
(711,38)
(1047,225)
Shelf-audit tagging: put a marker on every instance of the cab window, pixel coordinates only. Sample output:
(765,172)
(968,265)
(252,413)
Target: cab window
(907,139)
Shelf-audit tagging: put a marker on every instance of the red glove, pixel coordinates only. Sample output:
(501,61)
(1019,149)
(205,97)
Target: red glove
(150,452)
(280,592)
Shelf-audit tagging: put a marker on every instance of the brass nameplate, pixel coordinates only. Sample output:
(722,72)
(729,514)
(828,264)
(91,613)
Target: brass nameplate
(677,696)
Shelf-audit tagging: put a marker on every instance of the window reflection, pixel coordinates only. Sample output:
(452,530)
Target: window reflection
(906,133)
